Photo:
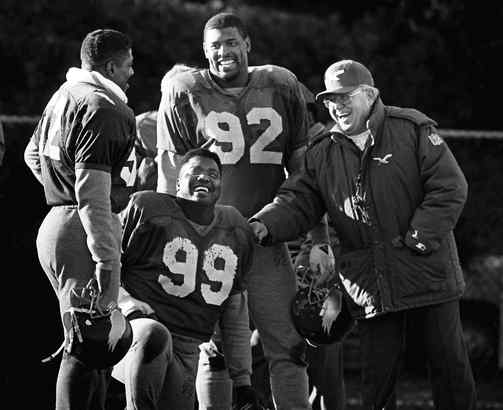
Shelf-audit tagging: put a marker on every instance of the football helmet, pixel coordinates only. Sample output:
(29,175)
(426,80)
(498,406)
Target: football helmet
(98,338)
(99,341)
(306,307)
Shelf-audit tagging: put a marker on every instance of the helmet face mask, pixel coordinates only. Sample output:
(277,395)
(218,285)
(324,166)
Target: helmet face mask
(305,310)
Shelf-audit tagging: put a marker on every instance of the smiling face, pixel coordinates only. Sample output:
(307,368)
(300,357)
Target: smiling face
(227,53)
(350,110)
(199,180)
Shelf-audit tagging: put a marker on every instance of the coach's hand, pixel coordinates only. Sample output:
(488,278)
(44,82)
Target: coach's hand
(322,261)
(259,230)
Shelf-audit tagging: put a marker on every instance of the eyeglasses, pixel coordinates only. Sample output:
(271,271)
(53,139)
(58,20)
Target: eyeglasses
(341,99)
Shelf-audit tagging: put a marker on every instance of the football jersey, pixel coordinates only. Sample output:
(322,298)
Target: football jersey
(142,175)
(185,272)
(83,126)
(254,132)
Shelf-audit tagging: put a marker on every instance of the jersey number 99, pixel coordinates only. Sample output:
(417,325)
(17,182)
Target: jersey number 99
(224,273)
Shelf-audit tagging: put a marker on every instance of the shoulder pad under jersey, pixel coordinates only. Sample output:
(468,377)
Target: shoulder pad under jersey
(230,216)
(410,114)
(153,203)
(274,74)
(146,132)
(182,81)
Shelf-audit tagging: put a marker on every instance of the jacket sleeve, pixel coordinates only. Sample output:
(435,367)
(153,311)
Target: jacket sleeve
(297,207)
(445,189)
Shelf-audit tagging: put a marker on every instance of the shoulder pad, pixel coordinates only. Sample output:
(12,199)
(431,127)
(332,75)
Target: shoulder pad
(231,216)
(181,81)
(278,75)
(153,200)
(410,114)
(146,133)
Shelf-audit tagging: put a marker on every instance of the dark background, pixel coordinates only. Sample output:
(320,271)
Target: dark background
(439,56)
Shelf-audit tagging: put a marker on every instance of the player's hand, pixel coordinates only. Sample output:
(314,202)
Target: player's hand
(210,349)
(331,309)
(254,338)
(322,260)
(414,240)
(129,304)
(259,230)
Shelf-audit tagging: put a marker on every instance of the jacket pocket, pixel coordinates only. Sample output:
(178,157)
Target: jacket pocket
(416,274)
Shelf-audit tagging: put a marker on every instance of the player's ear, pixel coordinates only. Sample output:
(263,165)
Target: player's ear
(248,43)
(110,67)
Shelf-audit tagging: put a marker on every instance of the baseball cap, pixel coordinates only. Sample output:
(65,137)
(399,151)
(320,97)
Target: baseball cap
(345,76)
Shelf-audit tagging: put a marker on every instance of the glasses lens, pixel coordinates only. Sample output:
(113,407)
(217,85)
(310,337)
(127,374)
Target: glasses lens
(342,99)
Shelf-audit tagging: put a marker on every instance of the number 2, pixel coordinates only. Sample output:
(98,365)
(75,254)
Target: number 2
(233,135)
(224,273)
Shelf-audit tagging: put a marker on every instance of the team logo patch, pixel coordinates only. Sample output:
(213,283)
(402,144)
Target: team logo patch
(383,160)
(435,138)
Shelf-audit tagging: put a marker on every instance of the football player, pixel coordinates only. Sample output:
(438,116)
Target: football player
(144,176)
(255,119)
(183,258)
(77,151)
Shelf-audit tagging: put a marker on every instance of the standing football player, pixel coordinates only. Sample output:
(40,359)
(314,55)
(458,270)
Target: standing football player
(183,258)
(77,151)
(255,119)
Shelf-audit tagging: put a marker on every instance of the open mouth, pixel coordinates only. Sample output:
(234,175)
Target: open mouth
(228,63)
(201,188)
(343,114)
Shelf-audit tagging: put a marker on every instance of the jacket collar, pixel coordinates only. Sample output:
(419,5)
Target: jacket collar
(374,124)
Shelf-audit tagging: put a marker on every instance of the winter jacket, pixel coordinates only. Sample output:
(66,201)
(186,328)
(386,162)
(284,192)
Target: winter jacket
(394,207)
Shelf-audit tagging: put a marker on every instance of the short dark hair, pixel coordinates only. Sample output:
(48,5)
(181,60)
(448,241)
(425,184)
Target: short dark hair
(200,152)
(223,20)
(102,45)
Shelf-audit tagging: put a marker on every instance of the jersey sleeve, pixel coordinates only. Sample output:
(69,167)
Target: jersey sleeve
(99,143)
(247,245)
(32,156)
(297,111)
(131,222)
(176,121)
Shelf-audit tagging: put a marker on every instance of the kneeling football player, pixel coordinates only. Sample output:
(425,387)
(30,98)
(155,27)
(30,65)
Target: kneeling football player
(183,258)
